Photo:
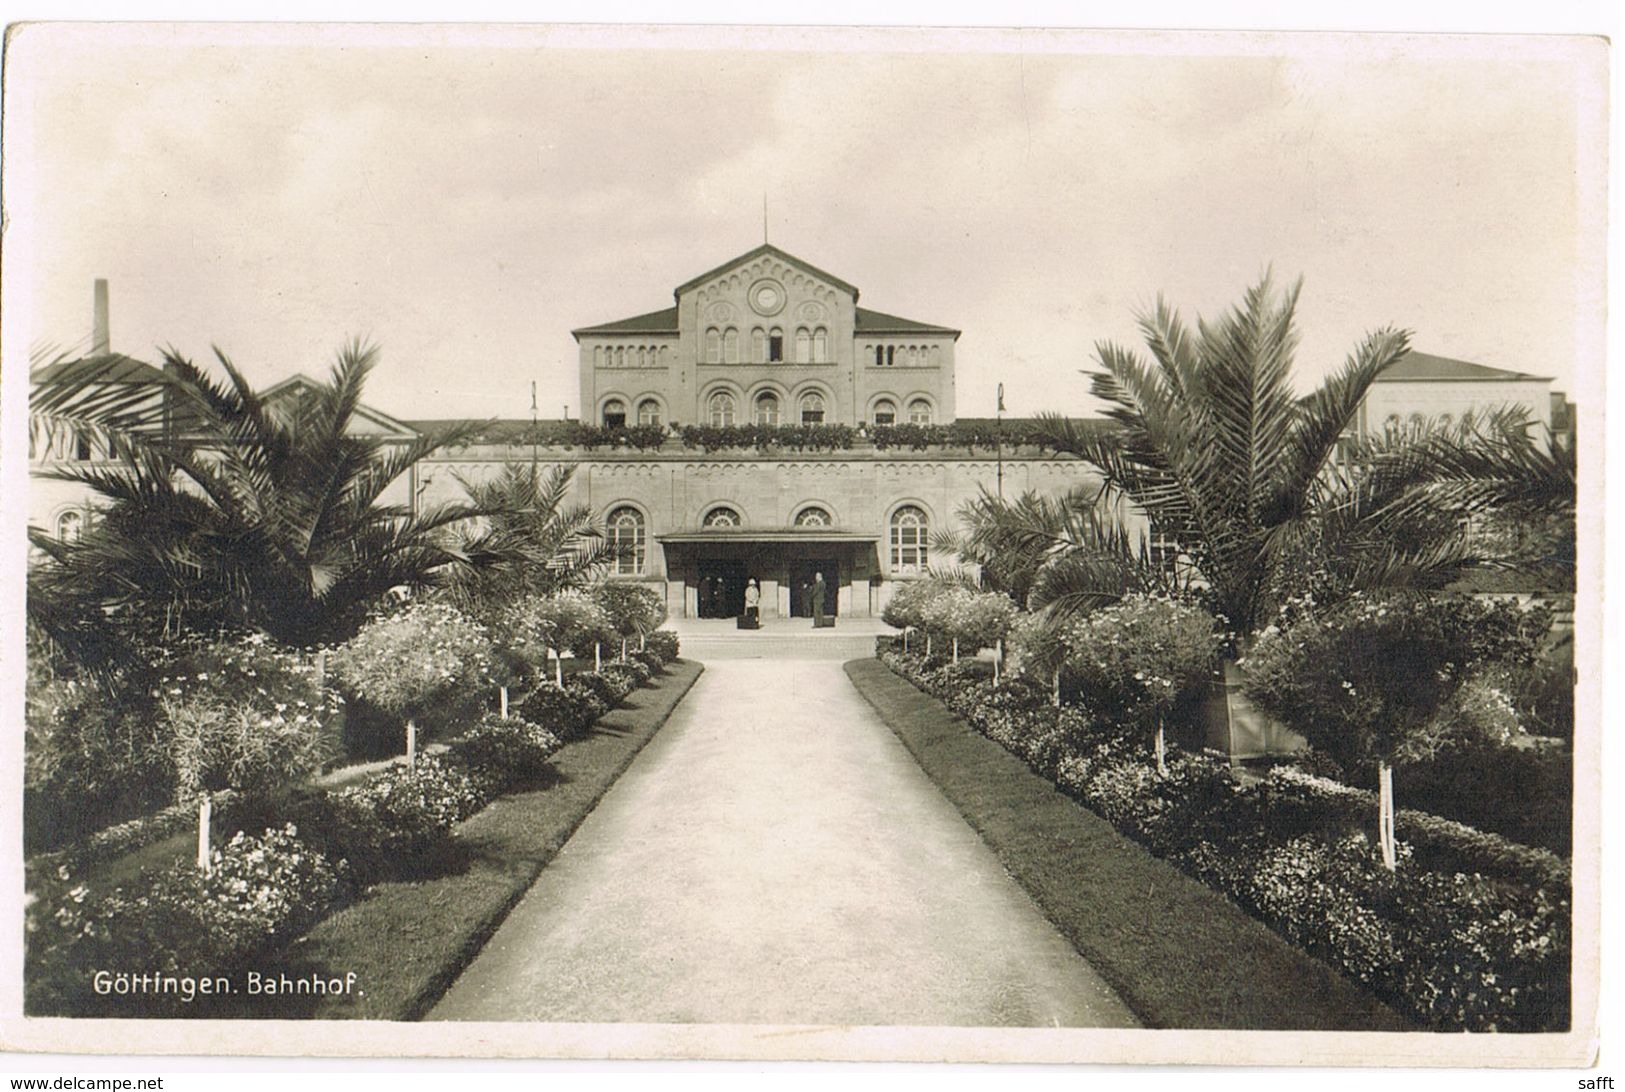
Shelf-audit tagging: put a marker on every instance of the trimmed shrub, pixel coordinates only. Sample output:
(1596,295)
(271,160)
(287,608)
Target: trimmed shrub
(592,702)
(609,691)
(501,751)
(663,643)
(381,824)
(627,674)
(654,663)
(562,711)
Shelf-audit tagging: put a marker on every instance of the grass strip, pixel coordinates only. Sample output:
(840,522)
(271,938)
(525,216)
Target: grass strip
(1180,954)
(407,941)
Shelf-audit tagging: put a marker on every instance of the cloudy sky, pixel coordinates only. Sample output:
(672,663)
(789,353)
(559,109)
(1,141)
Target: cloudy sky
(464,198)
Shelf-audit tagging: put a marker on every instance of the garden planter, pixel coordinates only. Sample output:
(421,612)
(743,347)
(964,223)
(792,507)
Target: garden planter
(1236,728)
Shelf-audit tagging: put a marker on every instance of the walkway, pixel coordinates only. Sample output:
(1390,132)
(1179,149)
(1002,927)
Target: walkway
(775,856)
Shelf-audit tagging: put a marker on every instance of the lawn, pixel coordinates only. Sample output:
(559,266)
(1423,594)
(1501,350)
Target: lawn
(1180,954)
(407,941)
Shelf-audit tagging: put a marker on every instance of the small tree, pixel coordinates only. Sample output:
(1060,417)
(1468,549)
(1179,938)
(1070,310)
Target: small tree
(1140,661)
(577,624)
(414,662)
(1366,681)
(633,609)
(906,608)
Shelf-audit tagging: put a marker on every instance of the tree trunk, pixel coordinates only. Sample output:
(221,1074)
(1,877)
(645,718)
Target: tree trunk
(928,645)
(1162,752)
(905,640)
(623,648)
(1385,816)
(558,666)
(598,655)
(411,743)
(504,703)
(643,642)
(956,651)
(1055,689)
(998,659)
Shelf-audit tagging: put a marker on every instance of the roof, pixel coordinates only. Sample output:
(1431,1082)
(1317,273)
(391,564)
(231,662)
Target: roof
(1425,367)
(298,384)
(655,322)
(752,255)
(878,322)
(107,368)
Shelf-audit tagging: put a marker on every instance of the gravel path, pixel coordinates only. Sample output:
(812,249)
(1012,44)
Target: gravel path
(775,856)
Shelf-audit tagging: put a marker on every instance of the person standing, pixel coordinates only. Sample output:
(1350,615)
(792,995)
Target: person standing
(753,600)
(818,592)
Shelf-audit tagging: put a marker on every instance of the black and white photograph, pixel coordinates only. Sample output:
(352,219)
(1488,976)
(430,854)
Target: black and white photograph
(803,543)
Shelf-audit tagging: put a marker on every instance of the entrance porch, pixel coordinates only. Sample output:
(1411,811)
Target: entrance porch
(708,571)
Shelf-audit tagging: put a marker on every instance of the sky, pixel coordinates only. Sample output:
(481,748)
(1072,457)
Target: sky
(465,197)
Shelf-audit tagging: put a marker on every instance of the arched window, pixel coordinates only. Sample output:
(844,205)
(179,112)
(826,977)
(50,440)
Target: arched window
(614,413)
(909,530)
(891,354)
(885,412)
(69,526)
(812,408)
(803,346)
(624,526)
(813,516)
(721,409)
(820,344)
(730,346)
(767,408)
(758,345)
(919,412)
(598,356)
(880,356)
(713,345)
(775,345)
(648,412)
(722,517)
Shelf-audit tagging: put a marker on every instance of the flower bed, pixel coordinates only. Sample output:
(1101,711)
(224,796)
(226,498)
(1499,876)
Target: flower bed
(1472,931)
(263,890)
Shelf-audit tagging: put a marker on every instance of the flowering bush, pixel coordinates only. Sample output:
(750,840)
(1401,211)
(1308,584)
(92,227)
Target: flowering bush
(417,661)
(906,607)
(90,756)
(1142,660)
(1366,680)
(1471,931)
(578,623)
(261,890)
(499,751)
(663,643)
(524,633)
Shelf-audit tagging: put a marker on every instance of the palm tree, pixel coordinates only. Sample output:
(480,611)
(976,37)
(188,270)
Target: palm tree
(1061,554)
(532,541)
(1220,455)
(225,508)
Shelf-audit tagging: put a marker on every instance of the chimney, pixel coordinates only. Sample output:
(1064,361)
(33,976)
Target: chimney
(101,341)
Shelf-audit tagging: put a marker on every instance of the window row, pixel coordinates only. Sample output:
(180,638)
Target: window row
(615,413)
(904,356)
(627,356)
(885,412)
(909,532)
(722,346)
(722,409)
